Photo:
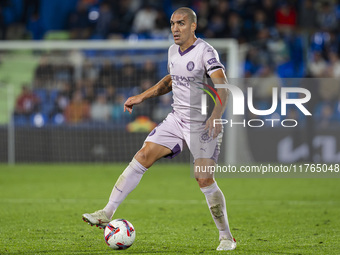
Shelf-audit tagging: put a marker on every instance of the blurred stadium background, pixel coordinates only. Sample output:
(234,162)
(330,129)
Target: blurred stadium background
(63,103)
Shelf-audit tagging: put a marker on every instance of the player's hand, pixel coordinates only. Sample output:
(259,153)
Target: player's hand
(131,101)
(213,131)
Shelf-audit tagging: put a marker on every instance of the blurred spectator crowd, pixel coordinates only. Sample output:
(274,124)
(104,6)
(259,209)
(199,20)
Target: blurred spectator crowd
(282,39)
(245,20)
(93,92)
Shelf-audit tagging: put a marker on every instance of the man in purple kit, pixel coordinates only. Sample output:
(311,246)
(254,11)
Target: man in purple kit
(190,61)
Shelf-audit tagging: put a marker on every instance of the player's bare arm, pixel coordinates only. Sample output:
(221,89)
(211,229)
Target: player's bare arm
(218,77)
(162,87)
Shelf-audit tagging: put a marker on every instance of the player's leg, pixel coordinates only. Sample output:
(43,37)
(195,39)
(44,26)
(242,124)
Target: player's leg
(216,203)
(128,181)
(132,175)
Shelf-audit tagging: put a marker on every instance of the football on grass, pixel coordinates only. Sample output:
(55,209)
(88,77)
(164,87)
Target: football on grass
(119,234)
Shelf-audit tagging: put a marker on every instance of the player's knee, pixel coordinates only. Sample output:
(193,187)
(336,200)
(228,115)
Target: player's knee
(204,182)
(143,157)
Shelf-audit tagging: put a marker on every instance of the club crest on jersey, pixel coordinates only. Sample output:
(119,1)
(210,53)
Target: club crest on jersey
(190,66)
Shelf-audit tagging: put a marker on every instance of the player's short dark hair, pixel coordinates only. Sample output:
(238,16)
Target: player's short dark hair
(191,14)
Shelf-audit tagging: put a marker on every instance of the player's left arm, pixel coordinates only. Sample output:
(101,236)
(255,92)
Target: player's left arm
(218,77)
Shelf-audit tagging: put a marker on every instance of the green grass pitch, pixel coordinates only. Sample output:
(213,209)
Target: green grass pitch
(41,207)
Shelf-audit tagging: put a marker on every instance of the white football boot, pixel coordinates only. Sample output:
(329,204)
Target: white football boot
(227,245)
(98,218)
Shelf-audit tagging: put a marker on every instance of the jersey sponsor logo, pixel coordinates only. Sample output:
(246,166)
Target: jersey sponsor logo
(182,78)
(190,66)
(178,83)
(212,61)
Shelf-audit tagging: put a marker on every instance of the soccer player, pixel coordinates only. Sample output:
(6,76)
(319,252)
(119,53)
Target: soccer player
(190,61)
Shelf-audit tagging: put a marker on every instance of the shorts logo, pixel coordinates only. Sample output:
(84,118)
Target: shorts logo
(152,132)
(190,66)
(205,138)
(212,61)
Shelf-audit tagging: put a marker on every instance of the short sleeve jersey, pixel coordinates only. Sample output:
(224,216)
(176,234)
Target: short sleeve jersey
(189,72)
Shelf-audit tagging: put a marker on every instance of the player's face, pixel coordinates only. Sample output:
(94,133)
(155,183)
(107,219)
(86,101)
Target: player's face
(182,29)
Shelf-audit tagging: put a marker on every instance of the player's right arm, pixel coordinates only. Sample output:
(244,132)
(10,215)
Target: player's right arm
(162,87)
